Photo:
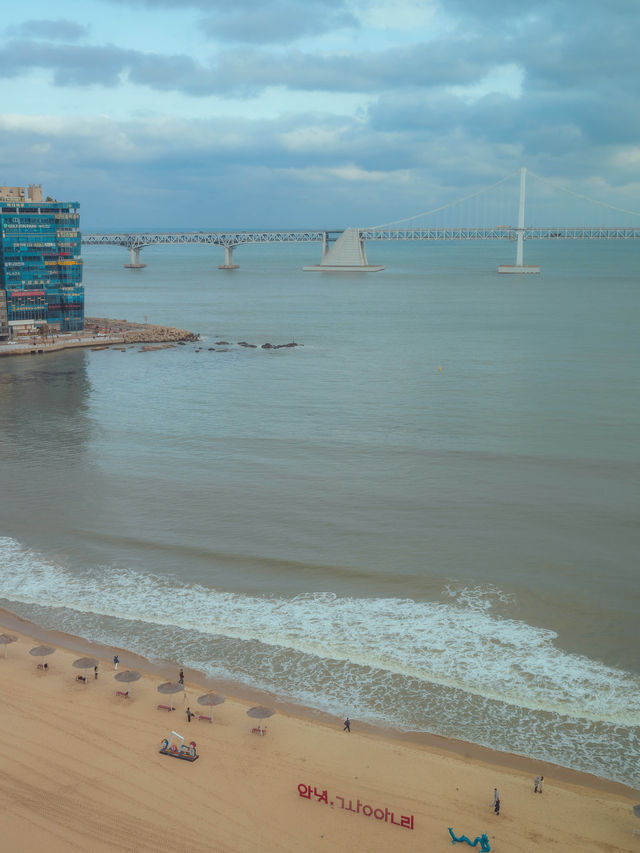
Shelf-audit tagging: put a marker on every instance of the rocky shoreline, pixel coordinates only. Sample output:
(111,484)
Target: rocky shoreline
(100,333)
(137,333)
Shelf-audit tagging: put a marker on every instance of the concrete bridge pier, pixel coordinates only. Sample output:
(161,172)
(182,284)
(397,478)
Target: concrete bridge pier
(135,259)
(228,260)
(347,254)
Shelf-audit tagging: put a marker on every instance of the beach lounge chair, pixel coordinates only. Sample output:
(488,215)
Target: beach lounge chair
(165,708)
(124,693)
(259,730)
(205,717)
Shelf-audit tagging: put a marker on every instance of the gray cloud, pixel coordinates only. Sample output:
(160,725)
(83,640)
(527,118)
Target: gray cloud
(278,22)
(71,65)
(257,22)
(250,72)
(52,30)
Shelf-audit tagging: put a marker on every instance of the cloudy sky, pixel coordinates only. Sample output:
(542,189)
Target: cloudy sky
(313,113)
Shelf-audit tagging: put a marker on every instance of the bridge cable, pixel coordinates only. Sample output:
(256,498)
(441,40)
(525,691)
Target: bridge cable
(583,197)
(444,206)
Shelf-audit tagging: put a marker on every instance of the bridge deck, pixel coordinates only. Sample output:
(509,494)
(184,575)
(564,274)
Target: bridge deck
(231,239)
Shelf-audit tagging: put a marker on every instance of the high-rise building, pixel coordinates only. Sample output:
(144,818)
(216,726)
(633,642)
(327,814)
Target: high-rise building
(40,264)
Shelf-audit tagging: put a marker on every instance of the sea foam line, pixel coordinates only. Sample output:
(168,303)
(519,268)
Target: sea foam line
(452,644)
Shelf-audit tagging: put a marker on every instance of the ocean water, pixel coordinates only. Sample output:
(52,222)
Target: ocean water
(425,515)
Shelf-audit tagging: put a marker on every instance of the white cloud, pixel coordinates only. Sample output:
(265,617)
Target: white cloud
(501,80)
(310,138)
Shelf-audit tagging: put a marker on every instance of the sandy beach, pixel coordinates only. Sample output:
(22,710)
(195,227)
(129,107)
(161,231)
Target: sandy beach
(82,771)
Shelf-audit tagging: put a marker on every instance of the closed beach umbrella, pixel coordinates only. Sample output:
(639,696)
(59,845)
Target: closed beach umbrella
(260,713)
(127,676)
(211,699)
(169,688)
(6,640)
(85,663)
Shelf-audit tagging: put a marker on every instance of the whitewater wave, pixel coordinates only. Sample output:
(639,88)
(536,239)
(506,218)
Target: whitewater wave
(459,644)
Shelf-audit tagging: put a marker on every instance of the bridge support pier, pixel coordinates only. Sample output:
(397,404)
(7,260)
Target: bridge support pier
(135,259)
(519,266)
(346,255)
(228,260)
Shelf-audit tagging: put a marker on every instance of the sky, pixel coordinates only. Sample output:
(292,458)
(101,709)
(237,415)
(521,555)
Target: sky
(180,114)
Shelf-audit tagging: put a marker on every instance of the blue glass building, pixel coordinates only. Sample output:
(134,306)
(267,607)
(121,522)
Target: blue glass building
(40,264)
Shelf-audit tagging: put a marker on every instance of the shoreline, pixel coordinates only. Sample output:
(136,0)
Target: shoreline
(100,332)
(82,770)
(246,694)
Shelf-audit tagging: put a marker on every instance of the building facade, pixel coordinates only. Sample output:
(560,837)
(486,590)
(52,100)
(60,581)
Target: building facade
(40,265)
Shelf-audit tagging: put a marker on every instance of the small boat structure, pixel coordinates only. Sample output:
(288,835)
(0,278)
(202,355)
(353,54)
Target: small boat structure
(177,748)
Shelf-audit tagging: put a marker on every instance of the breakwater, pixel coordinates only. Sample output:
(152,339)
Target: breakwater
(98,332)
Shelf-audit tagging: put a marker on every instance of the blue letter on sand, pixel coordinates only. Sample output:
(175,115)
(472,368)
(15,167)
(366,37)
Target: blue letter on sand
(483,839)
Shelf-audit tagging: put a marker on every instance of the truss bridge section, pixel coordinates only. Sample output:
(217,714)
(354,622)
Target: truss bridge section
(228,240)
(501,232)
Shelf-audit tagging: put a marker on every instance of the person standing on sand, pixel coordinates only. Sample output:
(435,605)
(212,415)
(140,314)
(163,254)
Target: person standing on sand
(347,725)
(536,782)
(116,661)
(95,672)
(540,783)
(496,801)
(189,714)
(181,677)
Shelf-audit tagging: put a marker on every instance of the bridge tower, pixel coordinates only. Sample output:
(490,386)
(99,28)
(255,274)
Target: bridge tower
(520,266)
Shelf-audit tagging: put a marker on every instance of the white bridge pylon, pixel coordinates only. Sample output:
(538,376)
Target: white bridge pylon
(519,266)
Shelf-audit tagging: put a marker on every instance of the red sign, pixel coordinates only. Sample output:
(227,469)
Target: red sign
(365,809)
(25,293)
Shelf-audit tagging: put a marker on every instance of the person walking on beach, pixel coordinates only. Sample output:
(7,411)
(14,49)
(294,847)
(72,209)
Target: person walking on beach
(95,672)
(496,801)
(181,677)
(189,714)
(536,782)
(347,725)
(539,785)
(116,661)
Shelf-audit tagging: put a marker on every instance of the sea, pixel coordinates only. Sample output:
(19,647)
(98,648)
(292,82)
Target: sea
(423,516)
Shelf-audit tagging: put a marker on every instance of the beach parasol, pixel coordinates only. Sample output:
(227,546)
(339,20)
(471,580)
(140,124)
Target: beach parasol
(127,677)
(211,699)
(6,640)
(259,712)
(41,651)
(170,687)
(85,663)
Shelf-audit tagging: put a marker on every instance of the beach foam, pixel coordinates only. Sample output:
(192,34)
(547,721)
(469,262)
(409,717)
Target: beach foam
(460,645)
(455,668)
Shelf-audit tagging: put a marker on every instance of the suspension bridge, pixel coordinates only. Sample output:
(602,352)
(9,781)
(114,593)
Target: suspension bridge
(345,250)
